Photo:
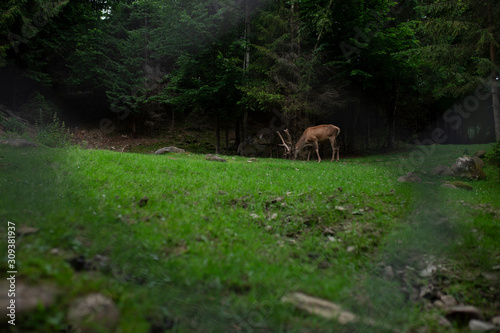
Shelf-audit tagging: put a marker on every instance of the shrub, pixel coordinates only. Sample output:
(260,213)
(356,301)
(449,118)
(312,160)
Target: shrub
(54,133)
(493,156)
(13,125)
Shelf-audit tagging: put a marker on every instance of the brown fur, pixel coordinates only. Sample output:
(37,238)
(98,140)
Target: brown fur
(312,136)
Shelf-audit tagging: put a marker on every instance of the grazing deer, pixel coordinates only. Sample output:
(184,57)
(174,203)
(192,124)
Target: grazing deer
(312,136)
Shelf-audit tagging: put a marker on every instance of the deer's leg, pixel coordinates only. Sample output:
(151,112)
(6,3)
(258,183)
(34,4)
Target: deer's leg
(317,150)
(334,148)
(309,154)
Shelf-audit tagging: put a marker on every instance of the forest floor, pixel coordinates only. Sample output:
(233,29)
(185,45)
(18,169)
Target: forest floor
(178,243)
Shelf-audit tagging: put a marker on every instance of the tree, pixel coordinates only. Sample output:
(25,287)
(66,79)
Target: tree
(461,46)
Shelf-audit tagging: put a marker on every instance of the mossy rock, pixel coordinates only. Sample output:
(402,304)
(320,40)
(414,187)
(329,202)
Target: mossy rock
(462,185)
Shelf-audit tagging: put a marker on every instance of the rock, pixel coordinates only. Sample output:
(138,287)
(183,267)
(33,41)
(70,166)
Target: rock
(169,150)
(320,307)
(25,230)
(448,185)
(442,170)
(211,157)
(467,167)
(496,320)
(439,304)
(480,326)
(428,271)
(410,178)
(351,249)
(479,162)
(28,297)
(93,313)
(388,273)
(462,314)
(427,292)
(449,301)
(463,185)
(19,143)
(480,154)
(442,321)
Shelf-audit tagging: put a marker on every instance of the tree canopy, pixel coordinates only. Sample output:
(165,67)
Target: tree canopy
(383,71)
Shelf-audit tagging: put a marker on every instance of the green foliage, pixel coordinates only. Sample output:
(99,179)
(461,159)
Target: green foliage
(493,156)
(13,125)
(52,133)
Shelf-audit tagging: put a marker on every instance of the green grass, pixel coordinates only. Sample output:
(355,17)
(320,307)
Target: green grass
(217,245)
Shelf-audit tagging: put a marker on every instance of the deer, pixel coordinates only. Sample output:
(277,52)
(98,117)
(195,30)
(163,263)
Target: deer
(312,136)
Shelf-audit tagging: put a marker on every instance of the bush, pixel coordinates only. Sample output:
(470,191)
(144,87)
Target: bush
(493,156)
(54,133)
(12,125)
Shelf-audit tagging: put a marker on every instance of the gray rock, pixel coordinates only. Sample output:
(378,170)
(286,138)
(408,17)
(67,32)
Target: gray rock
(410,178)
(449,301)
(442,321)
(169,150)
(93,313)
(462,314)
(19,143)
(467,167)
(211,157)
(28,297)
(388,273)
(480,326)
(442,170)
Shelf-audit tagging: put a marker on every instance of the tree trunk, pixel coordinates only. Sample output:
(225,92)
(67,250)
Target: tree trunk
(217,133)
(494,84)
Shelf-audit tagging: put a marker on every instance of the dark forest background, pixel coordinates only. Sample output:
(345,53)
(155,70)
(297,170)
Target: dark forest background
(385,72)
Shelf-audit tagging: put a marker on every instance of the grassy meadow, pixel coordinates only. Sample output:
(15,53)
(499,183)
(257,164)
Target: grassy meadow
(191,245)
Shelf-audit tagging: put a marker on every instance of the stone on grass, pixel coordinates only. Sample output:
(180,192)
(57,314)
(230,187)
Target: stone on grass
(93,313)
(462,314)
(211,157)
(410,178)
(481,326)
(479,162)
(320,307)
(169,150)
(448,185)
(28,297)
(388,273)
(468,168)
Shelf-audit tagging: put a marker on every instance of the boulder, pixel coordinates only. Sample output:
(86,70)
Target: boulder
(19,143)
(410,178)
(478,161)
(211,157)
(169,150)
(442,170)
(93,313)
(467,167)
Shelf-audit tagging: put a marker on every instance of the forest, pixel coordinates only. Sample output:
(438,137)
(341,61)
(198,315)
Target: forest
(125,207)
(385,72)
